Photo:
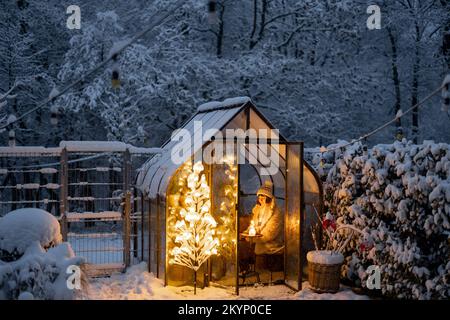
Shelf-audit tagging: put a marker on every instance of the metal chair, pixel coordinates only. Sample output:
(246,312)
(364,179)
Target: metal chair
(274,263)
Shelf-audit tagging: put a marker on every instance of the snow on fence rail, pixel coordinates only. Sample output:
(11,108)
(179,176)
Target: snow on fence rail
(105,146)
(94,235)
(98,169)
(30,151)
(77,146)
(105,215)
(42,171)
(32,186)
(85,183)
(45,201)
(93,199)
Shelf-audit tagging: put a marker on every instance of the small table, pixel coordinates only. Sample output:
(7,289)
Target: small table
(250,238)
(252,271)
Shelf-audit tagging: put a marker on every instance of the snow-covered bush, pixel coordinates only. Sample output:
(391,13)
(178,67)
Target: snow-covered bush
(40,274)
(33,261)
(399,194)
(20,228)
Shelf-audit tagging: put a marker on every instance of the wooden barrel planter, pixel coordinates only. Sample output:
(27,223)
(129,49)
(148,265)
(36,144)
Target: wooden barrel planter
(324,270)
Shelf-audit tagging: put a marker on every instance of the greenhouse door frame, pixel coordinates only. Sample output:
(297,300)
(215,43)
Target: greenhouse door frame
(293,279)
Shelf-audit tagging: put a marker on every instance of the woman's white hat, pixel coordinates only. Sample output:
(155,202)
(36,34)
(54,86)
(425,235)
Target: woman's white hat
(266,189)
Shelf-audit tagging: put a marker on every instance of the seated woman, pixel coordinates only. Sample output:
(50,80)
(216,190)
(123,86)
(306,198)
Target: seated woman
(268,222)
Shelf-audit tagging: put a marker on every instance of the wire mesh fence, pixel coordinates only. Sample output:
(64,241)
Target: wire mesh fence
(87,196)
(96,219)
(24,184)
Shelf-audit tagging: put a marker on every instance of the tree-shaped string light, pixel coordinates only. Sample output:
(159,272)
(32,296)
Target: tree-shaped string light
(228,208)
(195,230)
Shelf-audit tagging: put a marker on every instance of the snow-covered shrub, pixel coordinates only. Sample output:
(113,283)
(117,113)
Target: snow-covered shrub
(399,194)
(33,261)
(20,228)
(40,274)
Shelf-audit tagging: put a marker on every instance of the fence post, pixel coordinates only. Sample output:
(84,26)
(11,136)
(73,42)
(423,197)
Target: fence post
(64,192)
(126,170)
(133,220)
(126,229)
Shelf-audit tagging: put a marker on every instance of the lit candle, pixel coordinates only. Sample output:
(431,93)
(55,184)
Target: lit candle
(251,229)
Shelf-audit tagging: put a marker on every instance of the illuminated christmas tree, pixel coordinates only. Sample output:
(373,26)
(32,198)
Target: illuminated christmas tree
(195,229)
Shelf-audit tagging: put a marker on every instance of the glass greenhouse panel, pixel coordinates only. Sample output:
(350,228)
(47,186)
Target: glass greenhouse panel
(293,216)
(312,210)
(153,237)
(224,181)
(177,274)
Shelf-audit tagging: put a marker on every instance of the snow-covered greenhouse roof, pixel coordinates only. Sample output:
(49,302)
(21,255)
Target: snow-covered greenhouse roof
(235,113)
(214,116)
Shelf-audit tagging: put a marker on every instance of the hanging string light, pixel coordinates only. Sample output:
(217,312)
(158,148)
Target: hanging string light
(54,113)
(12,138)
(115,79)
(365,148)
(446,94)
(10,127)
(399,134)
(212,8)
(341,155)
(322,160)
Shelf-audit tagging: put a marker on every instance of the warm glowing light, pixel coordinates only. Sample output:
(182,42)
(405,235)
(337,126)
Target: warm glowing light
(194,230)
(198,167)
(180,224)
(227,209)
(251,229)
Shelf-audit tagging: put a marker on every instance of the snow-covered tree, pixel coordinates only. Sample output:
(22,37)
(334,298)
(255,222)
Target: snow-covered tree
(398,194)
(32,40)
(312,66)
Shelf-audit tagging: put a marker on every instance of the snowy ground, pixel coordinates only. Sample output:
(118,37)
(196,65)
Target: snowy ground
(138,284)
